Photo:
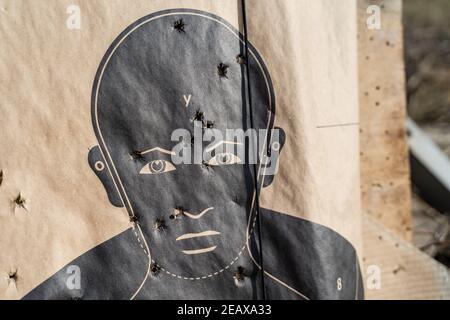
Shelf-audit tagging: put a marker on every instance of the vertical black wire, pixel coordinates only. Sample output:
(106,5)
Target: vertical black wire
(256,172)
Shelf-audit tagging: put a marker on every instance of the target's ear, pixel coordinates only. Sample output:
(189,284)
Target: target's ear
(98,165)
(273,155)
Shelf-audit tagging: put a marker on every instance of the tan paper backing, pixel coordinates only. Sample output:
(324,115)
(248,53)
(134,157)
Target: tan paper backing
(47,72)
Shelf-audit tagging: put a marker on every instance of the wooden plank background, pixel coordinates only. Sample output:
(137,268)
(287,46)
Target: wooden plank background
(385,179)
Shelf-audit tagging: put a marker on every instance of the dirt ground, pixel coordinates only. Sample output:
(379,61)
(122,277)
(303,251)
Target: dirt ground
(427,55)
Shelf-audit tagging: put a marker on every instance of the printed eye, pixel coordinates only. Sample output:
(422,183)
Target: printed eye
(157,166)
(224,159)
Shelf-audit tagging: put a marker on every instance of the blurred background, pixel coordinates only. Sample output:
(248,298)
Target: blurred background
(427,57)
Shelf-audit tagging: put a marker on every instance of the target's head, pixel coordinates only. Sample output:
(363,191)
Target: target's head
(164,73)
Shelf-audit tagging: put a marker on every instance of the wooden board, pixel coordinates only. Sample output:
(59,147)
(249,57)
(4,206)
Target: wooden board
(385,181)
(396,269)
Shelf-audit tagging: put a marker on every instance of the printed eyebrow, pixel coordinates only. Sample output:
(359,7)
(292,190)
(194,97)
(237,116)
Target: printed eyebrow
(216,145)
(157,149)
(197,216)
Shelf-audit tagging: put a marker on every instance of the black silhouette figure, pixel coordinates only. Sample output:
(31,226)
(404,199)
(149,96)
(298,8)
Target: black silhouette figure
(193,227)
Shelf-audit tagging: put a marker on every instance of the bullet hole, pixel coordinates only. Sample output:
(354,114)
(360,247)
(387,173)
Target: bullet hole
(20,202)
(388,43)
(179,26)
(12,276)
(367,58)
(377,88)
(155,269)
(269,151)
(408,133)
(136,155)
(206,165)
(198,116)
(380,238)
(160,225)
(239,276)
(222,70)
(134,219)
(377,185)
(209,124)
(1,177)
(398,269)
(377,104)
(178,213)
(240,59)
(366,94)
